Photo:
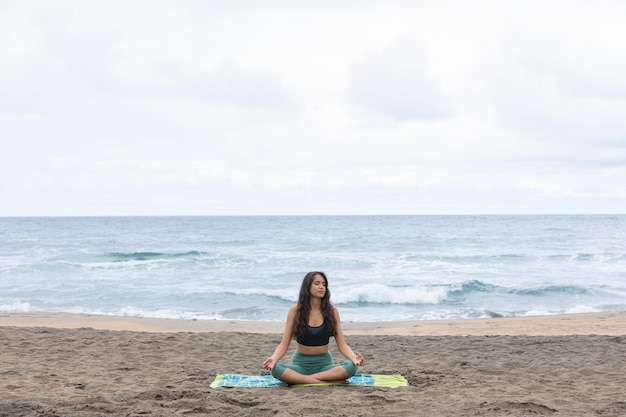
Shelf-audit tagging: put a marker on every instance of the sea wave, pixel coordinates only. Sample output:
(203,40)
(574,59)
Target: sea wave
(364,294)
(15,306)
(476,286)
(382,294)
(148,256)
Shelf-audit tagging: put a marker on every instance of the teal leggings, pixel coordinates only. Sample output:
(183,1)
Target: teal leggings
(311,364)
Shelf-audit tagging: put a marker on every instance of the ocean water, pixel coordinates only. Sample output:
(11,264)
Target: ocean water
(250,268)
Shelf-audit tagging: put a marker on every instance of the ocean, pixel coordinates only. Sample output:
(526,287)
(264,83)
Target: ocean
(250,267)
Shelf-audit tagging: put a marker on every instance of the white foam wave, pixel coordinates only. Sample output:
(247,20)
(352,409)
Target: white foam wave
(381,294)
(15,307)
(578,309)
(131,311)
(581,309)
(363,294)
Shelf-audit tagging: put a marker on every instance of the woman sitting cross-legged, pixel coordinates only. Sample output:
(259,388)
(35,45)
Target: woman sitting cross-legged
(311,322)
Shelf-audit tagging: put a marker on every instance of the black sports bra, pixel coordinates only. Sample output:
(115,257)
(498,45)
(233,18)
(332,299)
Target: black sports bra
(315,336)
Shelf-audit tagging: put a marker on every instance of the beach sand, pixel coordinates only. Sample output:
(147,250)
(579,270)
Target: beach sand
(85,365)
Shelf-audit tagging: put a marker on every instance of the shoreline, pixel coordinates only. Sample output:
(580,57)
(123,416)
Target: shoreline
(605,323)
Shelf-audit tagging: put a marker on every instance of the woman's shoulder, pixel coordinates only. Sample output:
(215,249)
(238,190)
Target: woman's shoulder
(293,310)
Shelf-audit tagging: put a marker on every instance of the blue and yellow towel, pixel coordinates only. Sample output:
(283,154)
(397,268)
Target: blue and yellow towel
(268,381)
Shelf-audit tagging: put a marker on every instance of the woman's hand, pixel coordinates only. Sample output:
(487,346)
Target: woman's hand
(269,363)
(358,359)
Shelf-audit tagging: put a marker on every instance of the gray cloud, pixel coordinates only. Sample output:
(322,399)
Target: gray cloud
(561,81)
(397,83)
(49,64)
(71,61)
(228,82)
(529,98)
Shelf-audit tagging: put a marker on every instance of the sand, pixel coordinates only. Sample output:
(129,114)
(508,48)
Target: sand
(84,365)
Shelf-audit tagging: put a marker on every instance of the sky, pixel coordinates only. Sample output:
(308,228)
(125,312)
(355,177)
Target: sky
(287,107)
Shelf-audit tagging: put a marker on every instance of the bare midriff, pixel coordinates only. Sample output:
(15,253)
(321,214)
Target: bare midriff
(311,350)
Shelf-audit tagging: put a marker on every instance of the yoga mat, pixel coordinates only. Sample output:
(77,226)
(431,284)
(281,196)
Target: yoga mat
(268,381)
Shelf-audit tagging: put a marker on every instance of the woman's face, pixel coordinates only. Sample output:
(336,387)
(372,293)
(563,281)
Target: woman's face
(318,286)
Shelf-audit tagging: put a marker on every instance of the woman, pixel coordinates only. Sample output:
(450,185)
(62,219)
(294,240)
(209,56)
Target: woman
(311,322)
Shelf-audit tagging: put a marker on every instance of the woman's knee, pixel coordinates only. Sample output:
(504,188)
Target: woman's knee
(350,368)
(278,370)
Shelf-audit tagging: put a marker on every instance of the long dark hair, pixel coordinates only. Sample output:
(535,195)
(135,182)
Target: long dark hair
(304,307)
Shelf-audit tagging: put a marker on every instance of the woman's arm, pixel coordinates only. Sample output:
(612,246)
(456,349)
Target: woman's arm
(343,347)
(282,347)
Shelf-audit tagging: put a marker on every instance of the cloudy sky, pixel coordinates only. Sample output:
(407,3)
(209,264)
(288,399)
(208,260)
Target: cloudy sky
(312,107)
